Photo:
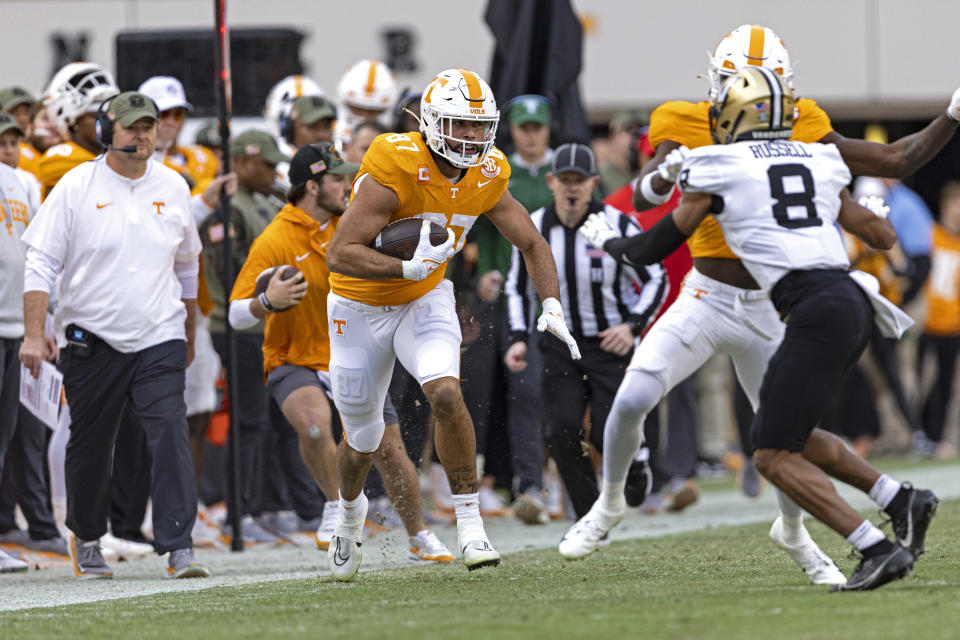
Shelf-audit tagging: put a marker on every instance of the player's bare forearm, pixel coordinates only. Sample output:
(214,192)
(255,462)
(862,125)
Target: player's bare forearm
(190,324)
(34,313)
(896,159)
(542,269)
(360,261)
(349,251)
(877,232)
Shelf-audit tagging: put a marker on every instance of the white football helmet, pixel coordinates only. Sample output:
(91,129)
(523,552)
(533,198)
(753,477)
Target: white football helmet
(458,94)
(369,84)
(77,88)
(281,98)
(748,44)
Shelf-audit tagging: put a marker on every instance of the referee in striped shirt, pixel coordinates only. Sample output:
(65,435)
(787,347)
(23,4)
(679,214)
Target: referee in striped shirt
(607,305)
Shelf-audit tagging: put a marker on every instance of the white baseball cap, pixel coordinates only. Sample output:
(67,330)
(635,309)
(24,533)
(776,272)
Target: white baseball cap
(167,92)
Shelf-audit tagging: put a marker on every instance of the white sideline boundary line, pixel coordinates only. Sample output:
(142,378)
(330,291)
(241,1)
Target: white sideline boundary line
(58,587)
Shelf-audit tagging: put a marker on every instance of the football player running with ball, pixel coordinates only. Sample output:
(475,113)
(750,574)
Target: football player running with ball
(721,307)
(382,308)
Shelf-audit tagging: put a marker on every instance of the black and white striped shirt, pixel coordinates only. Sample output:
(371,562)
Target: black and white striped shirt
(603,292)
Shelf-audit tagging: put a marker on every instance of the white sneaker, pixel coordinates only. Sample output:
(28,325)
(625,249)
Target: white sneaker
(124,549)
(327,522)
(491,504)
(474,545)
(426,547)
(9,564)
(440,488)
(204,535)
(588,533)
(815,563)
(344,550)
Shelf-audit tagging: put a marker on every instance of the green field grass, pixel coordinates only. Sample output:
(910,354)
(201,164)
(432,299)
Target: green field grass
(726,582)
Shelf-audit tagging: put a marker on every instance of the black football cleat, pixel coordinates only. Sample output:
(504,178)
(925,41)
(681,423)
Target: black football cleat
(878,570)
(639,483)
(911,525)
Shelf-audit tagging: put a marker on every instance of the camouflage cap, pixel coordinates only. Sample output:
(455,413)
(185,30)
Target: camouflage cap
(252,143)
(130,106)
(7,123)
(11,97)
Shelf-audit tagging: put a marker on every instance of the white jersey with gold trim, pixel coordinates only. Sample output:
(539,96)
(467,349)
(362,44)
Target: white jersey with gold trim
(780,200)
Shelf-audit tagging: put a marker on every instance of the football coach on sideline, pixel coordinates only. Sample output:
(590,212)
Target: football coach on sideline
(120,229)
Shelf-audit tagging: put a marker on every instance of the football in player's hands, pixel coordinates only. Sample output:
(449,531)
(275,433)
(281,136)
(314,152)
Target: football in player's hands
(263,280)
(400,239)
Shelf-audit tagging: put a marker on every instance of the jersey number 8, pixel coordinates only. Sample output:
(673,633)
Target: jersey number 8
(778,174)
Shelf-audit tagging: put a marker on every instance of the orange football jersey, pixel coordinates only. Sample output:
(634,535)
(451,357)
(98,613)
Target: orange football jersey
(299,335)
(196,162)
(688,124)
(58,160)
(29,159)
(403,163)
(943,284)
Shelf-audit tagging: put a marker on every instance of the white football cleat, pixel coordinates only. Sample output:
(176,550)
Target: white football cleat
(815,563)
(588,533)
(345,556)
(479,553)
(344,550)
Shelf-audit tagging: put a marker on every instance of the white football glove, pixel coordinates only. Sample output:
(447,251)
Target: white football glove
(428,258)
(953,111)
(552,320)
(875,204)
(670,167)
(597,230)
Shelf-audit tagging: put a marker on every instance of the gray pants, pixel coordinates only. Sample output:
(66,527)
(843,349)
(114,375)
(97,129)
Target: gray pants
(99,386)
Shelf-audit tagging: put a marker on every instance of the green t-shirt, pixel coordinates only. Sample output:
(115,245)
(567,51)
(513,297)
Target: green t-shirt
(250,214)
(528,184)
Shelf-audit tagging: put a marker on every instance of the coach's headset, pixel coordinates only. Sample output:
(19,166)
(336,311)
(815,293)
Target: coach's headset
(288,124)
(105,125)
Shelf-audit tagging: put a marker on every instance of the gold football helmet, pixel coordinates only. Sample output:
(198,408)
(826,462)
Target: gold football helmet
(755,103)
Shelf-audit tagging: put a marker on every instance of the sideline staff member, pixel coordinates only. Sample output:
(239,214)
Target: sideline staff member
(120,229)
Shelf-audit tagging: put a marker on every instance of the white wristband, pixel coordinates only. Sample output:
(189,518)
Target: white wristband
(410,270)
(651,196)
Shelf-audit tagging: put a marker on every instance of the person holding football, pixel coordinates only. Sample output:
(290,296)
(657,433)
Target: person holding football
(382,308)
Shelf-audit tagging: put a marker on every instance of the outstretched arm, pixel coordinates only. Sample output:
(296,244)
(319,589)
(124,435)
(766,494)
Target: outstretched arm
(896,159)
(665,236)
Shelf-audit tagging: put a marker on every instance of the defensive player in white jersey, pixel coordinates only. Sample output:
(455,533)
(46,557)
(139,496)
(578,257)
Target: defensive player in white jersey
(721,309)
(382,308)
(777,202)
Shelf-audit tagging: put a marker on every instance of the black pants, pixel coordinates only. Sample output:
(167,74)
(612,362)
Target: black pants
(131,479)
(26,479)
(99,387)
(568,387)
(946,349)
(251,414)
(9,393)
(829,323)
(486,380)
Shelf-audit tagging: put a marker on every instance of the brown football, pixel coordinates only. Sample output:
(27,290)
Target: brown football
(400,239)
(264,279)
